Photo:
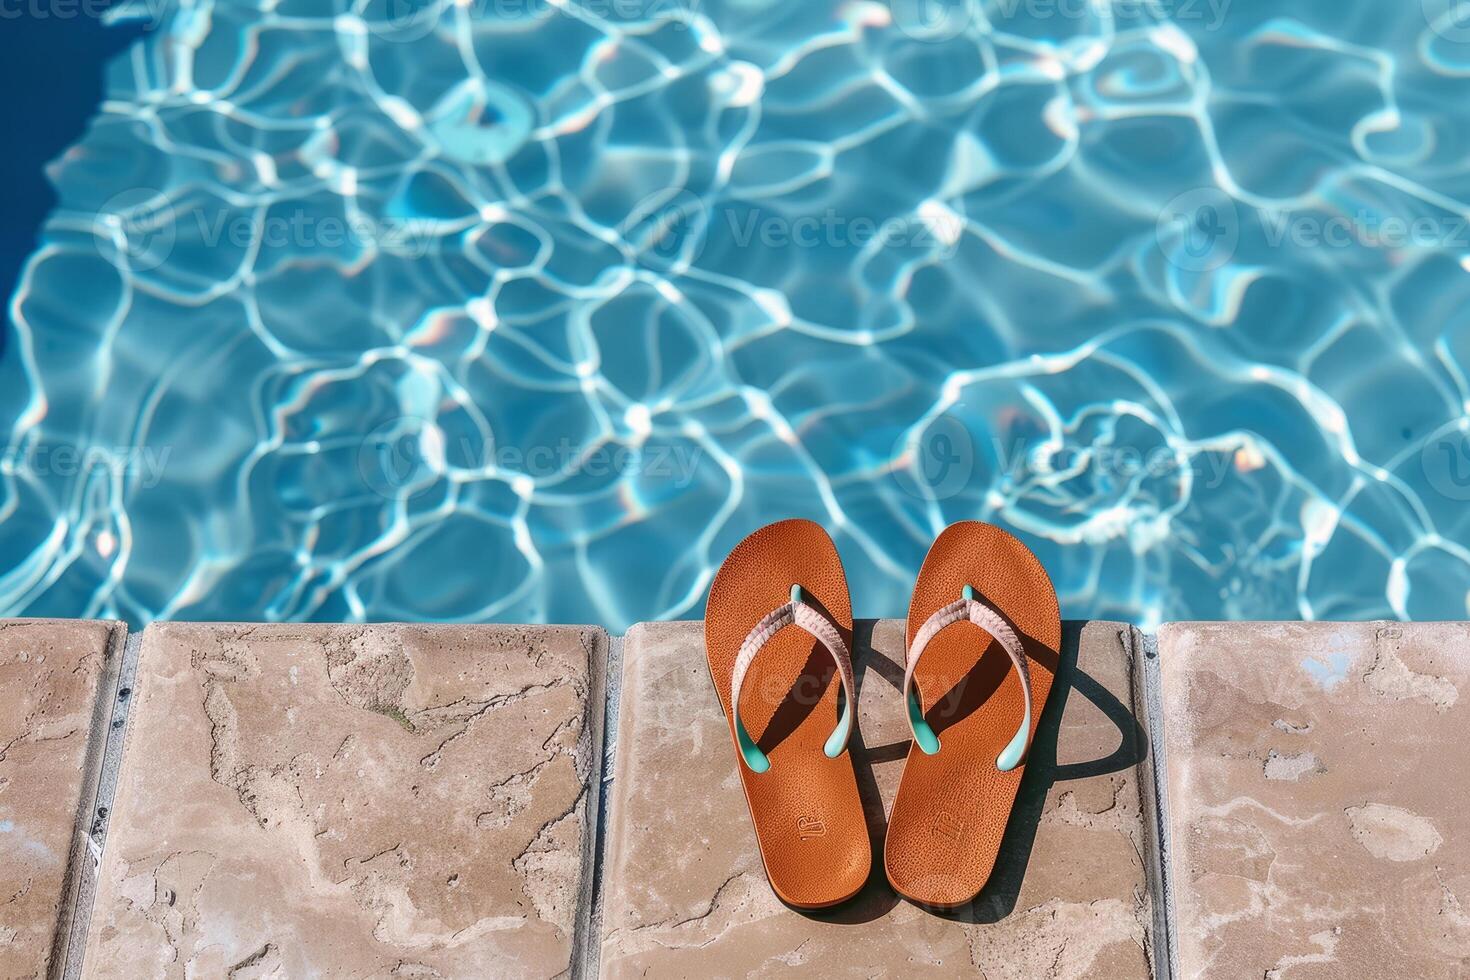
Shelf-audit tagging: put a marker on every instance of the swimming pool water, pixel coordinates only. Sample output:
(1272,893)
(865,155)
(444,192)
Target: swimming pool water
(528,310)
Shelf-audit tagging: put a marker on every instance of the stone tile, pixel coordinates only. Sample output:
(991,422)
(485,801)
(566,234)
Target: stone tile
(1318,788)
(52,675)
(369,801)
(685,894)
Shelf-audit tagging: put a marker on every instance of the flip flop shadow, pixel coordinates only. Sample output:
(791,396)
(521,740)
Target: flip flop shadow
(998,899)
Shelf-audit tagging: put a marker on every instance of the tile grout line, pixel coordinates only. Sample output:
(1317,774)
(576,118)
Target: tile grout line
(115,705)
(1161,874)
(589,947)
(583,920)
(81,871)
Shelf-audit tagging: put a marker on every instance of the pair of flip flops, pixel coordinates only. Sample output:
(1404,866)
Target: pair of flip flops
(778,633)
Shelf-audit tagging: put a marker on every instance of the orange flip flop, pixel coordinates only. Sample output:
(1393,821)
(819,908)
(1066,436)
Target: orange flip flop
(983,638)
(778,631)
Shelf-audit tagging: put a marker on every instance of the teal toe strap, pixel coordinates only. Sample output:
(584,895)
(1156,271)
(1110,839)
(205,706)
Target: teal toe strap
(807,617)
(924,735)
(749,751)
(968,609)
(1010,758)
(837,741)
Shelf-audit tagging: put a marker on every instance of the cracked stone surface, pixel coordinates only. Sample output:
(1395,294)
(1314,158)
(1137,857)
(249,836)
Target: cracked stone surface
(1318,792)
(363,801)
(49,676)
(685,894)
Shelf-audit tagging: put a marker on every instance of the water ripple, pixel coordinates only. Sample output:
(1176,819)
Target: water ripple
(529,309)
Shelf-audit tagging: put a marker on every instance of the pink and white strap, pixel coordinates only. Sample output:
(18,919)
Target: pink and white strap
(969,609)
(807,617)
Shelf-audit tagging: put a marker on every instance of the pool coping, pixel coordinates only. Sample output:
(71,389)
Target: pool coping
(115,709)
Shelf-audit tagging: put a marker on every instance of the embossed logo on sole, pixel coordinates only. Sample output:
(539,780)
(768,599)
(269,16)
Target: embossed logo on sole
(810,827)
(946,824)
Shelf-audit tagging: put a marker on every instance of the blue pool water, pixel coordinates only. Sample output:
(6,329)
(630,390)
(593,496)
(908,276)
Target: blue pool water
(522,310)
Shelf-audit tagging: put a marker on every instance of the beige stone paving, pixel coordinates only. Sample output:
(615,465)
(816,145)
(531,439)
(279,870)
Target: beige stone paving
(685,895)
(369,801)
(1320,795)
(50,675)
(396,801)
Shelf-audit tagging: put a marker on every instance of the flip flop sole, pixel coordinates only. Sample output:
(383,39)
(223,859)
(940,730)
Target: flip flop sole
(807,814)
(951,810)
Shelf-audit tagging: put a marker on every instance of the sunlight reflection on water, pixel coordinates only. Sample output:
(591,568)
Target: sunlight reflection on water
(528,311)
